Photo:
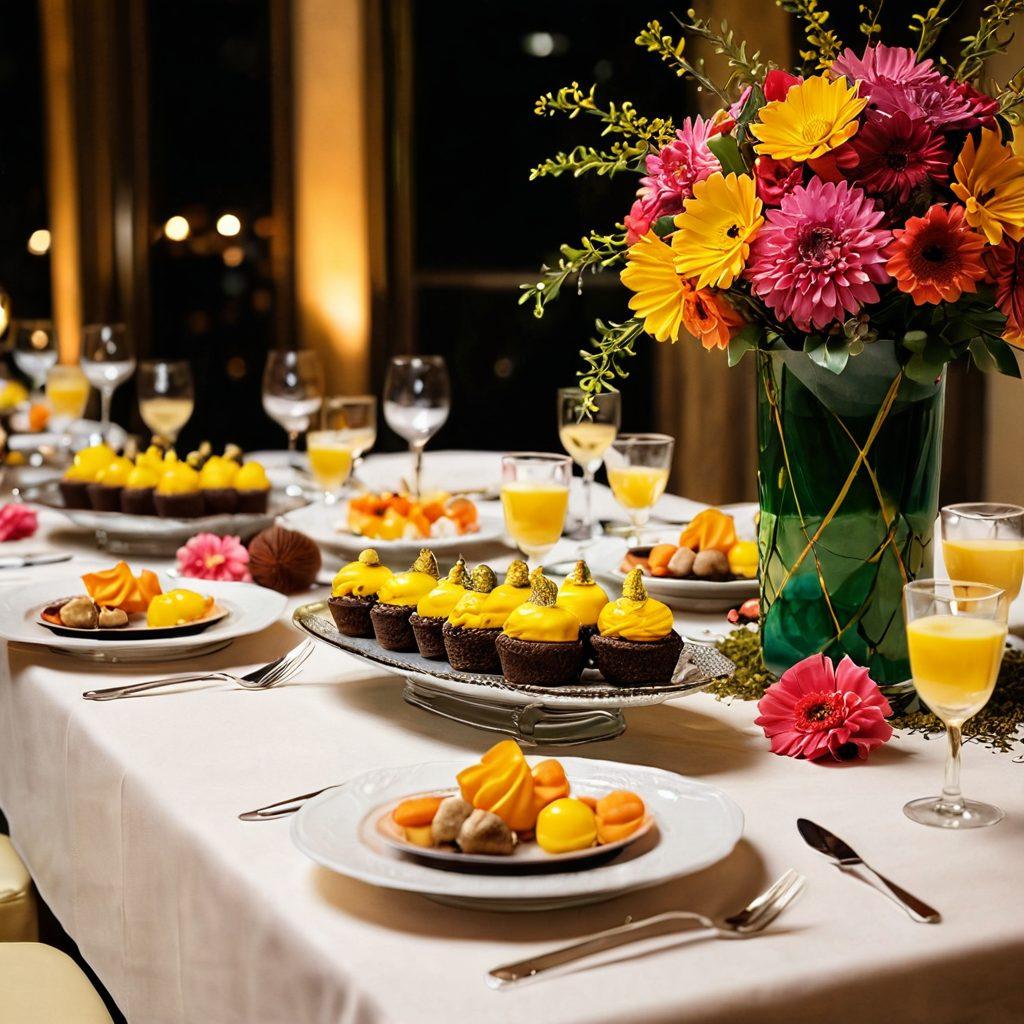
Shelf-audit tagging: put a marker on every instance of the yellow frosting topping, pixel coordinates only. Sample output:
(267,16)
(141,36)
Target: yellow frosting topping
(177,607)
(252,477)
(635,616)
(89,461)
(437,603)
(406,588)
(580,595)
(115,473)
(502,784)
(477,610)
(217,473)
(178,478)
(143,475)
(152,457)
(540,619)
(361,578)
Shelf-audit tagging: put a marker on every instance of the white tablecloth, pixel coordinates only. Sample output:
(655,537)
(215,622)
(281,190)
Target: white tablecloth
(126,814)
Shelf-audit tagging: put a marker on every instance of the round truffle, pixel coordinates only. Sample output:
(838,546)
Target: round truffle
(449,819)
(283,560)
(79,613)
(710,564)
(485,832)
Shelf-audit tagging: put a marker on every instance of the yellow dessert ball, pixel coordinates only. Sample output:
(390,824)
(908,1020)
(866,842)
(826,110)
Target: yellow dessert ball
(177,607)
(565,825)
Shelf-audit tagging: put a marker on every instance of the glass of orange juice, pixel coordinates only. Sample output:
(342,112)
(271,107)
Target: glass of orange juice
(984,541)
(956,634)
(330,459)
(535,498)
(638,467)
(67,391)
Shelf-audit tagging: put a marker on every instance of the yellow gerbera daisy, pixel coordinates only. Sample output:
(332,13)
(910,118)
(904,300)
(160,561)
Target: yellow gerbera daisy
(816,116)
(660,291)
(714,231)
(990,184)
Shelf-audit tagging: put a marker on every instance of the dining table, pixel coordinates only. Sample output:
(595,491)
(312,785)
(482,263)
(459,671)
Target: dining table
(126,813)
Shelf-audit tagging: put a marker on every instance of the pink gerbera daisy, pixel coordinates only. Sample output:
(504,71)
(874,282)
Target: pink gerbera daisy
(209,557)
(817,709)
(897,154)
(884,65)
(820,255)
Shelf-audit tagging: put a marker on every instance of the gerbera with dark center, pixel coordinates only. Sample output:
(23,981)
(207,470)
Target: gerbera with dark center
(897,154)
(1006,262)
(937,257)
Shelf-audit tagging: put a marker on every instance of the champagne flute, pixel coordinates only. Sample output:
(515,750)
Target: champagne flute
(67,391)
(35,350)
(293,390)
(417,399)
(984,541)
(166,397)
(586,439)
(535,498)
(638,467)
(956,634)
(107,361)
(330,460)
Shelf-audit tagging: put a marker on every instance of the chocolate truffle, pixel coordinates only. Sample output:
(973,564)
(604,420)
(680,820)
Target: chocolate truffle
(283,560)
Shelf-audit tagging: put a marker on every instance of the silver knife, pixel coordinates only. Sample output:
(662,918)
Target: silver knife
(25,561)
(846,858)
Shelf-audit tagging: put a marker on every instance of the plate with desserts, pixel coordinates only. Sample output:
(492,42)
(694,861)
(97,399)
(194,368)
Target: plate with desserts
(116,613)
(516,833)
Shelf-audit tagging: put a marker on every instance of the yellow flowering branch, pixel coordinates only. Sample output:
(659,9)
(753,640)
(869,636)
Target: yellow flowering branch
(613,344)
(993,36)
(826,44)
(620,156)
(621,119)
(744,69)
(596,253)
(654,40)
(929,26)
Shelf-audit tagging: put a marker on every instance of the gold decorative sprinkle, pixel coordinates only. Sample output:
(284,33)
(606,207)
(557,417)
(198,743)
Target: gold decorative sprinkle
(457,576)
(633,585)
(233,452)
(426,563)
(368,556)
(482,579)
(580,574)
(542,591)
(518,574)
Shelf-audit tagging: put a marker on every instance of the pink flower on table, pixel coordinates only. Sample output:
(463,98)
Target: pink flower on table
(17,522)
(816,710)
(209,557)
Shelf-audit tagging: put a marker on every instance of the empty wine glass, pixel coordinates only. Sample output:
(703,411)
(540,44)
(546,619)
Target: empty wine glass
(586,439)
(417,399)
(107,361)
(293,390)
(35,350)
(166,397)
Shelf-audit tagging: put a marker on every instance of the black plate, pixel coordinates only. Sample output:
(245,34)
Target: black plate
(129,632)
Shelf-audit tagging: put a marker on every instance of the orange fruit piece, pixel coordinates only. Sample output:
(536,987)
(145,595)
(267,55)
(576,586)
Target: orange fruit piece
(710,530)
(38,416)
(619,814)
(417,812)
(549,783)
(660,556)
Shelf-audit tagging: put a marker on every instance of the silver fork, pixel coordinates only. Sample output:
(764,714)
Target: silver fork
(258,679)
(752,919)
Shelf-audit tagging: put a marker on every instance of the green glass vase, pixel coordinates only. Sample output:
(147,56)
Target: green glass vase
(848,476)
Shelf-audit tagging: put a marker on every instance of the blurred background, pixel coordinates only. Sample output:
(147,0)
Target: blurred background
(230,176)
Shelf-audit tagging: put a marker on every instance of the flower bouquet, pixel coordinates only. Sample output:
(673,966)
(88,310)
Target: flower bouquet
(855,224)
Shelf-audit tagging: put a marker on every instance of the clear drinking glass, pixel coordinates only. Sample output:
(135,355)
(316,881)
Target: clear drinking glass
(35,350)
(984,541)
(535,498)
(166,396)
(107,361)
(417,399)
(293,390)
(956,633)
(355,416)
(67,391)
(586,439)
(638,467)
(330,460)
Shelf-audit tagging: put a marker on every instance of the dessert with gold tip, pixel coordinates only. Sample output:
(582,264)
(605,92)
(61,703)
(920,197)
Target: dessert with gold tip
(583,597)
(354,593)
(433,609)
(540,642)
(635,644)
(397,599)
(472,627)
(84,470)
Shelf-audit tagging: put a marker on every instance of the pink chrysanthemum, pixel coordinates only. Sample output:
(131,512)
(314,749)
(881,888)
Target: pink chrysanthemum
(897,154)
(209,557)
(17,522)
(816,709)
(884,65)
(940,104)
(820,255)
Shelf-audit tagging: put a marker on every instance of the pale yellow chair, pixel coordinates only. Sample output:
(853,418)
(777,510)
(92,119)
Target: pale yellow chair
(42,985)
(19,919)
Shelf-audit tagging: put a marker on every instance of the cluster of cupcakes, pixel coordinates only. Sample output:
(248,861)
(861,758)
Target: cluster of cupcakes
(157,483)
(526,628)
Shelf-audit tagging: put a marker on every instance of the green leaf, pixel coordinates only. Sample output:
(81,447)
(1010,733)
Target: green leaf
(728,153)
(915,340)
(742,342)
(993,355)
(832,353)
(664,225)
(925,366)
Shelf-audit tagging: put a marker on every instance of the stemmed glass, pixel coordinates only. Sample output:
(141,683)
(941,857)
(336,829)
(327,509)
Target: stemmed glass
(417,399)
(330,459)
(535,498)
(293,390)
(166,396)
(956,633)
(107,361)
(586,439)
(67,391)
(35,350)
(638,467)
(354,417)
(984,541)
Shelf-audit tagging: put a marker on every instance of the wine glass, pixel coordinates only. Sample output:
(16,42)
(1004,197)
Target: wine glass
(535,498)
(586,438)
(984,541)
(638,467)
(67,391)
(35,350)
(107,361)
(293,390)
(956,633)
(330,460)
(166,397)
(355,416)
(417,398)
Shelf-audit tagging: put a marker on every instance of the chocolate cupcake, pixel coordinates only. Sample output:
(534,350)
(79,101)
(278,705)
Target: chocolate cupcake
(86,467)
(635,644)
(354,593)
(217,483)
(472,630)
(433,609)
(177,492)
(540,642)
(397,599)
(105,491)
(580,595)
(139,488)
(253,487)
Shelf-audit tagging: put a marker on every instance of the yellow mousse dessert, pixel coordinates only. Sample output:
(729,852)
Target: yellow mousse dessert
(253,487)
(139,488)
(177,608)
(217,482)
(473,625)
(74,484)
(177,492)
(434,607)
(105,491)
(583,597)
(354,593)
(397,598)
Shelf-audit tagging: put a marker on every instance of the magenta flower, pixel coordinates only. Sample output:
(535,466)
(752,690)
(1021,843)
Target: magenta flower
(776,178)
(819,255)
(897,154)
(816,710)
(941,104)
(17,522)
(209,557)
(885,66)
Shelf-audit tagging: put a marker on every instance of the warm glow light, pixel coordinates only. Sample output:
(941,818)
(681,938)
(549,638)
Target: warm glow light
(228,224)
(177,228)
(233,256)
(39,242)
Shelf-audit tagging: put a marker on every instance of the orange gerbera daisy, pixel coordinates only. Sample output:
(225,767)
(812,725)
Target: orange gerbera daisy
(709,318)
(937,257)
(990,184)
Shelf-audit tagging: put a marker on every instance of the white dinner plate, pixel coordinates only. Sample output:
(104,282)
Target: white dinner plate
(250,609)
(697,825)
(695,595)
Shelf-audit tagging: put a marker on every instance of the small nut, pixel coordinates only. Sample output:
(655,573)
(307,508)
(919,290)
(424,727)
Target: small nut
(710,565)
(113,618)
(79,613)
(681,563)
(484,832)
(449,819)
